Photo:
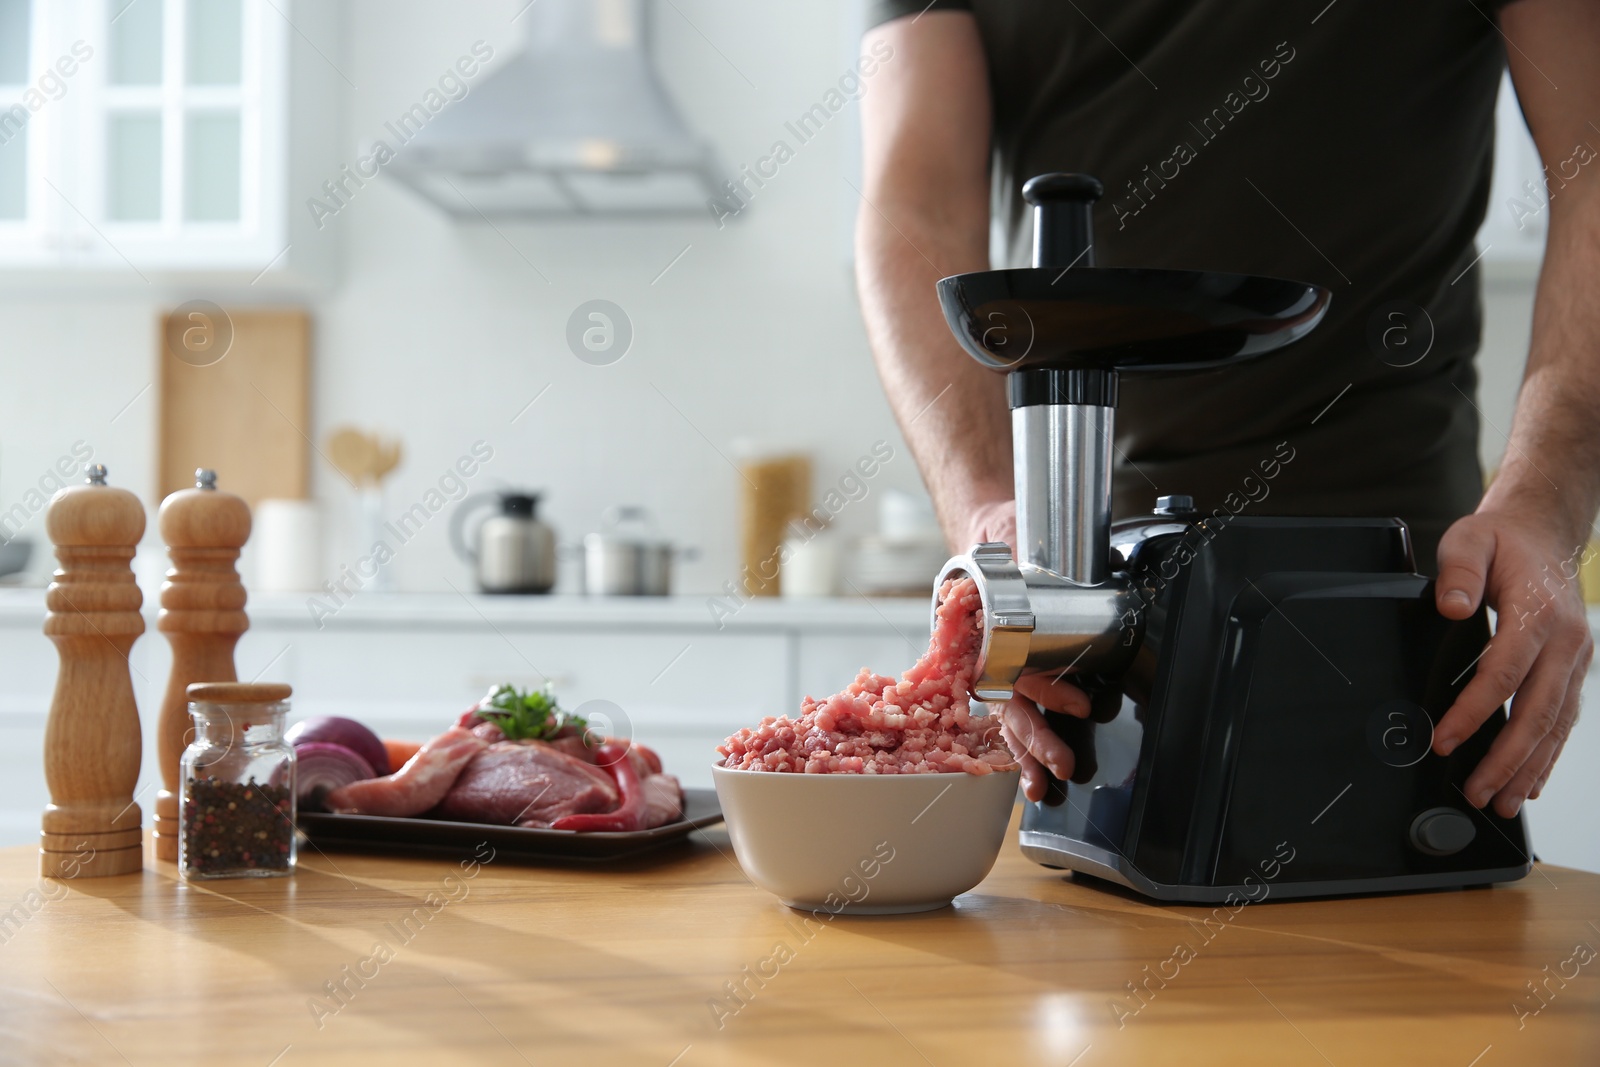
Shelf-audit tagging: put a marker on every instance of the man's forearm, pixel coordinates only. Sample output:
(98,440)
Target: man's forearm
(1551,469)
(1552,461)
(951,410)
(925,214)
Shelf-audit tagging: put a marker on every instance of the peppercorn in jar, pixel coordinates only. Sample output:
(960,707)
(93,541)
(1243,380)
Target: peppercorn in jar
(237,812)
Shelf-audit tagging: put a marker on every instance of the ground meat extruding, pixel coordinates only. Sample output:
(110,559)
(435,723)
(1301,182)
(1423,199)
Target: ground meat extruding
(919,724)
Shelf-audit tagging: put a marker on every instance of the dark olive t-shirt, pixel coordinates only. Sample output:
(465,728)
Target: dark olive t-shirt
(1347,144)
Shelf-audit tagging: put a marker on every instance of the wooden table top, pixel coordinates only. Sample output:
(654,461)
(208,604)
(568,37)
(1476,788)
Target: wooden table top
(628,964)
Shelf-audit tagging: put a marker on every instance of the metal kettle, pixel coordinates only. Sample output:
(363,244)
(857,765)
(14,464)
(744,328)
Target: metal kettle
(511,551)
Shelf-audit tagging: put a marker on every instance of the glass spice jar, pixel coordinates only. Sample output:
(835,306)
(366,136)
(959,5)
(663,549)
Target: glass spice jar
(237,811)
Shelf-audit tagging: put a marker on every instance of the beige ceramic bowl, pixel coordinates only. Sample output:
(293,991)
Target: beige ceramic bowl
(866,844)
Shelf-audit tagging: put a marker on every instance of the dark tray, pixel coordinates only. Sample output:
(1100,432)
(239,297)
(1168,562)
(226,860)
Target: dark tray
(384,833)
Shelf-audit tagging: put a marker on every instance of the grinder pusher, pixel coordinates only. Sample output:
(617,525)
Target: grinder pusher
(1266,688)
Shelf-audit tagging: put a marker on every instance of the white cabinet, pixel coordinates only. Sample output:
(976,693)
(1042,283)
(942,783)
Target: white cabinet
(1564,823)
(828,662)
(679,692)
(143,135)
(660,671)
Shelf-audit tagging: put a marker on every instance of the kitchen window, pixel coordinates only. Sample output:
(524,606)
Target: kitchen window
(142,134)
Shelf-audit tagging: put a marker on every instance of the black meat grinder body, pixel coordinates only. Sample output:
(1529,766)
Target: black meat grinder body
(1266,688)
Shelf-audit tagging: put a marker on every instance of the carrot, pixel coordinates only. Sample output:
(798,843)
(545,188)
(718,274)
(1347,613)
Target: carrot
(400,751)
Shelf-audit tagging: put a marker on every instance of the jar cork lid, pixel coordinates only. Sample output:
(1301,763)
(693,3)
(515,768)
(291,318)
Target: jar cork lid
(238,692)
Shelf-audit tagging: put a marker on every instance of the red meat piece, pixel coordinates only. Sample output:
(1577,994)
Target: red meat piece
(527,783)
(415,787)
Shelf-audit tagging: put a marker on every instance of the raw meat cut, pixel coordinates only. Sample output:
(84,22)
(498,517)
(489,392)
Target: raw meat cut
(645,761)
(476,775)
(527,783)
(663,800)
(573,742)
(922,723)
(415,787)
(489,731)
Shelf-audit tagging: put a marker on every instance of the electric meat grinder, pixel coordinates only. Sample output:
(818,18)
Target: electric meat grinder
(1265,688)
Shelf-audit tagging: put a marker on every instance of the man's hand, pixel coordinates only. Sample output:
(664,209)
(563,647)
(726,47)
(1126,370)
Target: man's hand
(1030,738)
(1039,749)
(995,521)
(1036,746)
(1540,650)
(1521,549)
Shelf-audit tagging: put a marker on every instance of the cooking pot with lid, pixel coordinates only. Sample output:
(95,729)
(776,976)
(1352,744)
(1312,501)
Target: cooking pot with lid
(628,557)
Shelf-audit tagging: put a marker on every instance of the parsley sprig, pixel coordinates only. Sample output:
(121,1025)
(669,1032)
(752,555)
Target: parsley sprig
(531,715)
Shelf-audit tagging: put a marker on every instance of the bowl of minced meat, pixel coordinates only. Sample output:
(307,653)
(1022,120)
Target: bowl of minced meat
(891,796)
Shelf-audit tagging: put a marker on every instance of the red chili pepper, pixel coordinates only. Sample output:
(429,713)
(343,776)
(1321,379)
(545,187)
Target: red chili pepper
(629,815)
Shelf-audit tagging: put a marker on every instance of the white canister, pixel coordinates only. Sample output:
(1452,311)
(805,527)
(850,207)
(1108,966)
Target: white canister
(286,546)
(904,516)
(811,566)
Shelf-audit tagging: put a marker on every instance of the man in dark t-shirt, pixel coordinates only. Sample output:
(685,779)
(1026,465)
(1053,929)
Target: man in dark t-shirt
(1344,143)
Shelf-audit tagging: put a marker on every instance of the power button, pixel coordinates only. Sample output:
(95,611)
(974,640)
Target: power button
(1442,831)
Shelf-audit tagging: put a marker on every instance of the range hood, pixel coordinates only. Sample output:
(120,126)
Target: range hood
(576,124)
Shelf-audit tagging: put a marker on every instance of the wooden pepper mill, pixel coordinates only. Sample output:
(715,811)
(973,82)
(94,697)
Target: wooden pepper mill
(202,614)
(91,740)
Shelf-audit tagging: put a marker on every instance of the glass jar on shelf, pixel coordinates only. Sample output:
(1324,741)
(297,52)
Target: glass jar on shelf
(237,812)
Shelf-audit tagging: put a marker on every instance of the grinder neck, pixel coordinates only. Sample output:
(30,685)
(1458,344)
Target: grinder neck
(1062,419)
(1061,441)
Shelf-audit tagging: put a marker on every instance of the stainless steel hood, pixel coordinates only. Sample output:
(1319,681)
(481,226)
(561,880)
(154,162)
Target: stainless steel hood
(576,124)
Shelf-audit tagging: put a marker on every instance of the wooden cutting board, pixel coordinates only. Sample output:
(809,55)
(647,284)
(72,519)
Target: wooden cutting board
(245,414)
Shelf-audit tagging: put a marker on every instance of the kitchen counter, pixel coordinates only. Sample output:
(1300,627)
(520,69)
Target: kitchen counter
(635,963)
(24,606)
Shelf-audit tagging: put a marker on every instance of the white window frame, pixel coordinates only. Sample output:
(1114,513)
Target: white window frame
(68,226)
(29,231)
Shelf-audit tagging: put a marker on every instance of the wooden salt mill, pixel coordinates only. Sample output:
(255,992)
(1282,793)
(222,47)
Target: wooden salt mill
(91,740)
(202,614)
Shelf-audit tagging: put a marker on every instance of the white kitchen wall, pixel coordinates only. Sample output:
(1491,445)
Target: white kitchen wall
(1507,323)
(442,333)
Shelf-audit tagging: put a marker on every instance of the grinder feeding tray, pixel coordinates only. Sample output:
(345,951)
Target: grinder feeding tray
(1265,688)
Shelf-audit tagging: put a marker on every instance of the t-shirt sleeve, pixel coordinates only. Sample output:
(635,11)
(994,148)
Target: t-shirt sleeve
(881,11)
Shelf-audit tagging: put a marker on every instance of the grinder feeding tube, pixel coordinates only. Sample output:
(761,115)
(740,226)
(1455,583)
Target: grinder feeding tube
(1279,677)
